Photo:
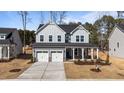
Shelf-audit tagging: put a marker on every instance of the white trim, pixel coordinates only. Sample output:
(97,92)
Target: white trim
(50,24)
(73,54)
(8,52)
(82,53)
(92,54)
(80,26)
(97,53)
(40,28)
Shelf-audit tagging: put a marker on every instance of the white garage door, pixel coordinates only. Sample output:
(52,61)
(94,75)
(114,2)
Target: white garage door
(43,56)
(57,56)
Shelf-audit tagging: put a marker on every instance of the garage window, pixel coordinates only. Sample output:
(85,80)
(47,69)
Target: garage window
(50,38)
(42,52)
(53,51)
(59,51)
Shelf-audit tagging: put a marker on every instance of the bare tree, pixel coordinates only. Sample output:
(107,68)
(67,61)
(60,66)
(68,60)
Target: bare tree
(53,16)
(57,16)
(62,16)
(41,17)
(25,19)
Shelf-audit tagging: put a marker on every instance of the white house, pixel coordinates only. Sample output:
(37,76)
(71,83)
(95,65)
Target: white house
(57,43)
(10,43)
(116,41)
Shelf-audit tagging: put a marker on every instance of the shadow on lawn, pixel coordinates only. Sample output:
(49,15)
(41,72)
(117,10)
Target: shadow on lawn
(95,70)
(15,70)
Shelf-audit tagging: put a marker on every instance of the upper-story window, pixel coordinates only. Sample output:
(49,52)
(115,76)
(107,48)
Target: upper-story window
(59,38)
(41,38)
(2,36)
(50,38)
(77,38)
(82,38)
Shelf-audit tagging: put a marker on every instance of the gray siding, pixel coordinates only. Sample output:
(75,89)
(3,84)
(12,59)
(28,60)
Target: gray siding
(116,37)
(17,40)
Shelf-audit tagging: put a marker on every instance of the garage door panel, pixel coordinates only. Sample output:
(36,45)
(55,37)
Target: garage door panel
(43,56)
(57,56)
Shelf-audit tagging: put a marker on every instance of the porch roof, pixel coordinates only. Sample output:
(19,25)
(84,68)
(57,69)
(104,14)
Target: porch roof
(63,45)
(7,41)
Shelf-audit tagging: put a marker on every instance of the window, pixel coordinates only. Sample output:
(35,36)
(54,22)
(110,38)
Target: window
(41,38)
(118,44)
(2,36)
(59,38)
(50,38)
(82,38)
(77,38)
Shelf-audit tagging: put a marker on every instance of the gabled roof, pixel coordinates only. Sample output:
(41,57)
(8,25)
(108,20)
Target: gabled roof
(8,32)
(79,27)
(68,28)
(119,26)
(7,41)
(65,27)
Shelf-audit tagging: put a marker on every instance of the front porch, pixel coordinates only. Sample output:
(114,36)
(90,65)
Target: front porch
(90,53)
(6,52)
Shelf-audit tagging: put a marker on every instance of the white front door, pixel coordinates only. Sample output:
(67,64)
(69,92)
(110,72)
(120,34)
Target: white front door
(43,56)
(57,56)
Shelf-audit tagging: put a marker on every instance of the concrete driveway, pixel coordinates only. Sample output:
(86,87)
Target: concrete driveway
(44,71)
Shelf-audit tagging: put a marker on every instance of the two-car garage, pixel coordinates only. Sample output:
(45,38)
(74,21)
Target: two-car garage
(49,56)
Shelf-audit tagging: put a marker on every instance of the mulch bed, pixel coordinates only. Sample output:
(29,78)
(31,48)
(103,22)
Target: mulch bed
(90,63)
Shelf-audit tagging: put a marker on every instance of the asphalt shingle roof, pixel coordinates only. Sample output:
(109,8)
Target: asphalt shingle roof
(121,27)
(66,28)
(8,32)
(61,45)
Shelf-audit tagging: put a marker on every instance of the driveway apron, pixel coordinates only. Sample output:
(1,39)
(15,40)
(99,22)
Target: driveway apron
(44,71)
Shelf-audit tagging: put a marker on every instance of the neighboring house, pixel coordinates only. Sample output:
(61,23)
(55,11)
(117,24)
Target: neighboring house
(10,43)
(116,41)
(57,43)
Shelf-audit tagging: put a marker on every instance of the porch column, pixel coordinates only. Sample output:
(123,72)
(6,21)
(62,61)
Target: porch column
(65,55)
(97,53)
(73,54)
(8,52)
(82,53)
(91,53)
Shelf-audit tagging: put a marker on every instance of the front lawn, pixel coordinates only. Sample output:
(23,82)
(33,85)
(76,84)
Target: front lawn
(85,71)
(12,69)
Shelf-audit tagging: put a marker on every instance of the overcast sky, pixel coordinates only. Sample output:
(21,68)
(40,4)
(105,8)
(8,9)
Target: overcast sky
(13,20)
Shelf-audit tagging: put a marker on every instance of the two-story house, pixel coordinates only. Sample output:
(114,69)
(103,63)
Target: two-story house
(10,43)
(57,43)
(116,41)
